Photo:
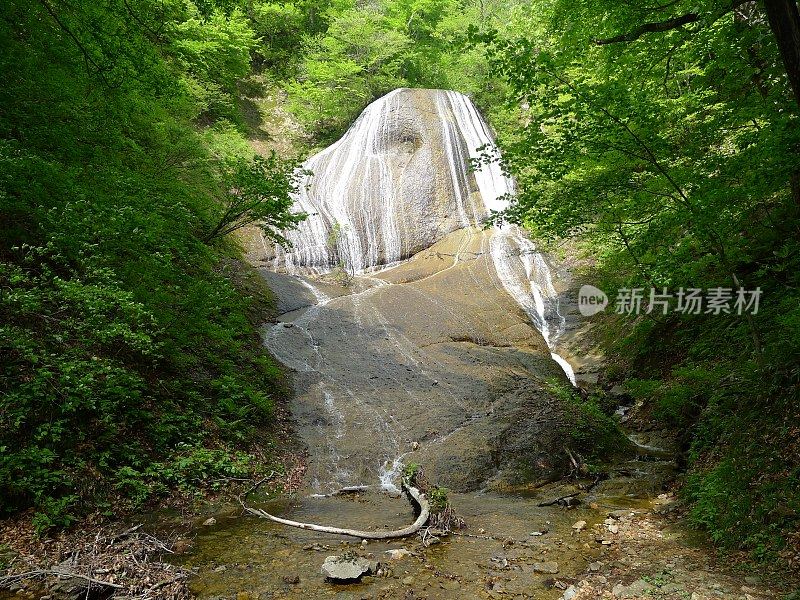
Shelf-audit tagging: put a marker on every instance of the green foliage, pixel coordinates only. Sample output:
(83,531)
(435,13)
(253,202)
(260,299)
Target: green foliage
(258,191)
(130,364)
(366,50)
(279,27)
(672,157)
(357,59)
(213,53)
(410,472)
(595,434)
(438,498)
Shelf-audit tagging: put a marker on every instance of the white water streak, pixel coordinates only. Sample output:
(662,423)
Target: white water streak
(352,204)
(522,270)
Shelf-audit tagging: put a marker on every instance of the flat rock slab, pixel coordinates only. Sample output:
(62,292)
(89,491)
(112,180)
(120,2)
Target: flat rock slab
(545,567)
(346,568)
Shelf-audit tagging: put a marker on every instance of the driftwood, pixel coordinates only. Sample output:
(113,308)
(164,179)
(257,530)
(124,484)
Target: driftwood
(417,498)
(345,491)
(559,500)
(58,573)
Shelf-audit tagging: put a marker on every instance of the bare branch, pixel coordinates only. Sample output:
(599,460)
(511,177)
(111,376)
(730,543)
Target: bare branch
(58,573)
(667,25)
(417,498)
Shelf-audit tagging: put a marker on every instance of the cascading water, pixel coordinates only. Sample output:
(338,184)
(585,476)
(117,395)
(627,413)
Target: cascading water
(532,284)
(422,356)
(361,219)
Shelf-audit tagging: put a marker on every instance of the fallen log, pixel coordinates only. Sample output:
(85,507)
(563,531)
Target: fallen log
(417,498)
(559,500)
(345,491)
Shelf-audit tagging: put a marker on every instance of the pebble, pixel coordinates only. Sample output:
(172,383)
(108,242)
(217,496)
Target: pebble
(407,580)
(210,521)
(450,585)
(546,567)
(579,525)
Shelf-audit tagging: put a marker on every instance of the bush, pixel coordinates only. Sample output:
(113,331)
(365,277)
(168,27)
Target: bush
(130,364)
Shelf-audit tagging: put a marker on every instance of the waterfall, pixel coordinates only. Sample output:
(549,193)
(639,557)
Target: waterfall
(522,270)
(392,186)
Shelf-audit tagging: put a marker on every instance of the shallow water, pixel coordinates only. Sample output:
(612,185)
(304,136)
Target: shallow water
(496,552)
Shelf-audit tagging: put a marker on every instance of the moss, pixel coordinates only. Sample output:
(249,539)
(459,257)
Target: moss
(594,432)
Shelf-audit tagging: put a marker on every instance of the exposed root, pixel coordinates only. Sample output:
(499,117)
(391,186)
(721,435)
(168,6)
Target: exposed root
(446,519)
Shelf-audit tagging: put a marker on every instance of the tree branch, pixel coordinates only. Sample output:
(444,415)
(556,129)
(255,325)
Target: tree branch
(655,26)
(86,54)
(667,25)
(417,498)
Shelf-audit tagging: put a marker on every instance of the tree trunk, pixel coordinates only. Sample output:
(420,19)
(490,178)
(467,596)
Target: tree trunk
(784,20)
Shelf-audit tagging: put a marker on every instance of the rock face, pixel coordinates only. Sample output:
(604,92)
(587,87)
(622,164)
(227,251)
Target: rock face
(397,182)
(416,166)
(433,351)
(443,359)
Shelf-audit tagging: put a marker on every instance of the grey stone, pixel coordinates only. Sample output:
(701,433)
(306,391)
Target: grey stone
(546,567)
(345,567)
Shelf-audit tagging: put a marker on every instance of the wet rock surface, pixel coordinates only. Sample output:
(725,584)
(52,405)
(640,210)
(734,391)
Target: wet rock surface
(347,568)
(429,362)
(392,186)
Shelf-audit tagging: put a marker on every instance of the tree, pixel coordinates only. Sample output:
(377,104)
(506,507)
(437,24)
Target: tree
(358,59)
(258,191)
(784,20)
(128,362)
(663,138)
